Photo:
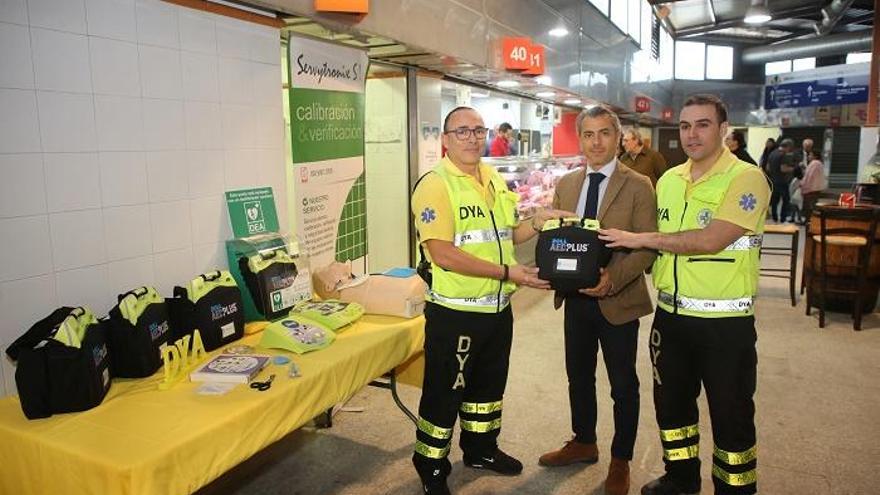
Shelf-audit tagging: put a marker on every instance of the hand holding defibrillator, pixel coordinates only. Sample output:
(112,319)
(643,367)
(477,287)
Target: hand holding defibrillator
(602,288)
(526,275)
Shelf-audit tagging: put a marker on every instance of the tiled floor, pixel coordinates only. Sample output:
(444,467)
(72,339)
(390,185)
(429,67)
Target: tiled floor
(818,413)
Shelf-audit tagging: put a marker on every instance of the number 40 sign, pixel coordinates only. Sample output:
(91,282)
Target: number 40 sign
(519,53)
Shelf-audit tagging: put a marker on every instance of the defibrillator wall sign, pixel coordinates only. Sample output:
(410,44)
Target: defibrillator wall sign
(252,211)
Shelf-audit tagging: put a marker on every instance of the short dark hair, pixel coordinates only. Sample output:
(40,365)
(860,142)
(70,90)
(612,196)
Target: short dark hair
(451,113)
(816,153)
(787,143)
(708,99)
(739,138)
(504,127)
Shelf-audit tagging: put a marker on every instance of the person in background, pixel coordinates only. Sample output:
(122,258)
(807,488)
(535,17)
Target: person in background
(780,171)
(641,158)
(736,143)
(814,183)
(804,155)
(769,146)
(500,145)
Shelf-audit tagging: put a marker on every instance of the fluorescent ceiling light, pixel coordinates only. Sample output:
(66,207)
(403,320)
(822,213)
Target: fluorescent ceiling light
(474,94)
(507,83)
(544,80)
(246,8)
(572,101)
(757,13)
(558,32)
(545,94)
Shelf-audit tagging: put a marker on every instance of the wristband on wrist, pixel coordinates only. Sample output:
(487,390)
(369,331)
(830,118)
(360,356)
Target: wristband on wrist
(506,273)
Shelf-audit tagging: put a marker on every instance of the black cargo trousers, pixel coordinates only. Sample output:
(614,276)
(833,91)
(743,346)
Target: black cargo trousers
(720,354)
(466,362)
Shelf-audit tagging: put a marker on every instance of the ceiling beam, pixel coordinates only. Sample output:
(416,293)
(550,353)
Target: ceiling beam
(739,22)
(846,21)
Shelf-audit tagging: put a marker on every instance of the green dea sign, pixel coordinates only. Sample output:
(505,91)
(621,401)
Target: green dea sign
(252,211)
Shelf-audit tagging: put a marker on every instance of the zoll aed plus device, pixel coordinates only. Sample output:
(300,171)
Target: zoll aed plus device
(569,253)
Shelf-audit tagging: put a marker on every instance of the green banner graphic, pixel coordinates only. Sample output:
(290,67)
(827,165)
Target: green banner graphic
(326,124)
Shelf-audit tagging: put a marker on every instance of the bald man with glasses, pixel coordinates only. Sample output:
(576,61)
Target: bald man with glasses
(467,225)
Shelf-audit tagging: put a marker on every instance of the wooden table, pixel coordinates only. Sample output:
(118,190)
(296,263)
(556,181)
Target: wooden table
(839,257)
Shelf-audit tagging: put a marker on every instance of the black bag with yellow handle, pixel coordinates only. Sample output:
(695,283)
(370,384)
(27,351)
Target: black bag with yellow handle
(569,253)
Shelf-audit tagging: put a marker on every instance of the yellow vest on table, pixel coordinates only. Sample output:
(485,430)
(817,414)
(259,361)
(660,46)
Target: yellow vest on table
(484,232)
(717,285)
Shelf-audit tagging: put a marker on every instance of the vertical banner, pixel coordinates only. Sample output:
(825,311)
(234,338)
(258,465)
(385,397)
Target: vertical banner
(327,146)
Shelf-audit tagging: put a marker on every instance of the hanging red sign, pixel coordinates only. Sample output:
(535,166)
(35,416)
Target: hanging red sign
(643,104)
(516,52)
(347,6)
(667,114)
(536,61)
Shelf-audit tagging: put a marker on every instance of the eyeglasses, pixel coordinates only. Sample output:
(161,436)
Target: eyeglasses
(464,133)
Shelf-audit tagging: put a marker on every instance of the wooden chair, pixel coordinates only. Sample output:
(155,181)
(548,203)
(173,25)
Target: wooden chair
(855,229)
(794,232)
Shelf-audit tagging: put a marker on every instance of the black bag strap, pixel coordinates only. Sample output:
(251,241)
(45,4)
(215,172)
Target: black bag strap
(39,331)
(210,276)
(424,267)
(180,292)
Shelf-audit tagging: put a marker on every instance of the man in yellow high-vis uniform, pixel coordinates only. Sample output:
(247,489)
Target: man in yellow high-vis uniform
(467,222)
(710,216)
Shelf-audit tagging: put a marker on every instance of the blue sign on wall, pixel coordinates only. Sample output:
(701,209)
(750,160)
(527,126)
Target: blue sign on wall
(820,92)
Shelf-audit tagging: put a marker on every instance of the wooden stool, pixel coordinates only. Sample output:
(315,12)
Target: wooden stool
(791,273)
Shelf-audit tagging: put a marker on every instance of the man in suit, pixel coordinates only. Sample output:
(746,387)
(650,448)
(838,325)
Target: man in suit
(607,314)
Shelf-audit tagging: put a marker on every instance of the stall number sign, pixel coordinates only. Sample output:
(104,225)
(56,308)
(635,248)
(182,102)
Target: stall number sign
(667,114)
(643,104)
(536,61)
(347,6)
(521,54)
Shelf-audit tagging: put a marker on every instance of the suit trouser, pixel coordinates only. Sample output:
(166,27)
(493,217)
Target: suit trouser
(780,192)
(585,329)
(720,353)
(466,361)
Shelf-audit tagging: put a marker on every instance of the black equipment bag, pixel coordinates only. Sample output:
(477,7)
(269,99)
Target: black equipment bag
(269,277)
(137,327)
(569,254)
(212,304)
(53,377)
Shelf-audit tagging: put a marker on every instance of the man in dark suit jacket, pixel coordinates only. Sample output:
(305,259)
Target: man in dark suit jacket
(607,314)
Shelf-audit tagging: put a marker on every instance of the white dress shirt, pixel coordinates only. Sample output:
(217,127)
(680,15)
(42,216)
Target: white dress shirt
(606,170)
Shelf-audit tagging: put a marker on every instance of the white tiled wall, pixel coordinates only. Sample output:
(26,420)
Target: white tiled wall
(122,122)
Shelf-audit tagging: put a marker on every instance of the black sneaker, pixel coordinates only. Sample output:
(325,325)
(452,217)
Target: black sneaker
(437,487)
(665,486)
(499,462)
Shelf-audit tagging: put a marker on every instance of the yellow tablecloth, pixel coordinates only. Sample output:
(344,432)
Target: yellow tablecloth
(145,441)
